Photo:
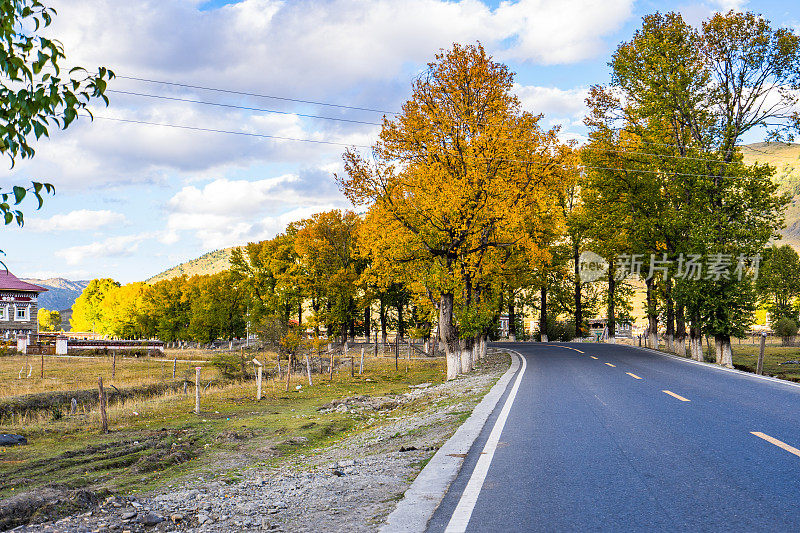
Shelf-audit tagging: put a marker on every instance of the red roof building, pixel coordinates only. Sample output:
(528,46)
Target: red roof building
(18,305)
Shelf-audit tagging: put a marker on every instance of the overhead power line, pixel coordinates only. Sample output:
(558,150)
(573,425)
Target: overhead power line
(257,95)
(339,119)
(246,108)
(348,145)
(229,132)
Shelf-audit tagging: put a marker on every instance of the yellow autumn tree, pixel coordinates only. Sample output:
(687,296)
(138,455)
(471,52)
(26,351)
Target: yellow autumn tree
(461,171)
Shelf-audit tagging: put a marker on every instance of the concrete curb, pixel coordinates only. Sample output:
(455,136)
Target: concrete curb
(421,499)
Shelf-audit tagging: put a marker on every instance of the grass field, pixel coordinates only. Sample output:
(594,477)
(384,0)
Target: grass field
(154,440)
(745,357)
(21,374)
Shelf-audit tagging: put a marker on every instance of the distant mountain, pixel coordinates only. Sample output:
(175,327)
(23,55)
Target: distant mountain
(209,263)
(61,293)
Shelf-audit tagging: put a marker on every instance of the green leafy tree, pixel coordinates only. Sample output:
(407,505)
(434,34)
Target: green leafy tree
(786,328)
(682,99)
(778,282)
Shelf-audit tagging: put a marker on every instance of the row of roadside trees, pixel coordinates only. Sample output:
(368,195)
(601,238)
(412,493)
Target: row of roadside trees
(469,207)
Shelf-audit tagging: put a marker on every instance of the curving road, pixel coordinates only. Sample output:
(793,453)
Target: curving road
(601,437)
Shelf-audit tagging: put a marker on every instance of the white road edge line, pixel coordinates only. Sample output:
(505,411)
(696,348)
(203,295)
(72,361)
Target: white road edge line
(712,366)
(425,494)
(461,516)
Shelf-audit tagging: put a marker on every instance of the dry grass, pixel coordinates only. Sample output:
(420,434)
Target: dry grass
(21,374)
(225,407)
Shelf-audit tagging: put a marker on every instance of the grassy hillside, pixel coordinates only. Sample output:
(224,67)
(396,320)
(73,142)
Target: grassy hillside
(209,263)
(786,159)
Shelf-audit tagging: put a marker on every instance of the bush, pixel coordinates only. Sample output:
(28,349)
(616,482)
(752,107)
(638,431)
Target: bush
(786,328)
(558,331)
(231,366)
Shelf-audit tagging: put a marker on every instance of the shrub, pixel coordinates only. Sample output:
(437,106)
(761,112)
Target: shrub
(786,328)
(231,366)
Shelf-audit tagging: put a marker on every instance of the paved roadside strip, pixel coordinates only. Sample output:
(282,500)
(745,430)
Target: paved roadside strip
(420,501)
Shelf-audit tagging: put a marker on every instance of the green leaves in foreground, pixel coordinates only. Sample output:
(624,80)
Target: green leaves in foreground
(17,195)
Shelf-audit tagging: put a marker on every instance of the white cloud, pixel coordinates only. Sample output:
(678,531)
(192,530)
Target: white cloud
(73,275)
(227,212)
(357,52)
(552,101)
(552,33)
(727,5)
(79,220)
(112,247)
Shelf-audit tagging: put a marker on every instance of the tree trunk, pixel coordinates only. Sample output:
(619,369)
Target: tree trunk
(382,316)
(366,322)
(401,330)
(670,330)
(466,355)
(719,347)
(696,339)
(611,321)
(726,354)
(512,319)
(543,316)
(344,332)
(476,351)
(578,310)
(483,347)
(448,335)
(652,316)
(680,331)
(299,314)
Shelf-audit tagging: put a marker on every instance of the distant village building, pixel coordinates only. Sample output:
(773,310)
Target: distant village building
(18,306)
(598,327)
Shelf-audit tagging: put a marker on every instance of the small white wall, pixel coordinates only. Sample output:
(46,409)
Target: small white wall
(61,345)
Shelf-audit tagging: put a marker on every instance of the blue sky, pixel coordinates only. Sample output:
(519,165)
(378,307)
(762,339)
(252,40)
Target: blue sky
(133,200)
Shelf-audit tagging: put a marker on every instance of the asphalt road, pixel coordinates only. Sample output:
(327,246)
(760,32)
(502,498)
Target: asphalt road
(622,439)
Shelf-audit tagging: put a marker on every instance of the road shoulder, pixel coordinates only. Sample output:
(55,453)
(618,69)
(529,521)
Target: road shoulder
(422,498)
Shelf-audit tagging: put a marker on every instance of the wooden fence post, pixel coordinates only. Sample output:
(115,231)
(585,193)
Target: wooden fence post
(174,367)
(114,365)
(102,398)
(288,371)
(308,371)
(259,370)
(361,367)
(42,373)
(197,390)
(352,367)
(330,368)
(396,352)
(760,365)
(376,346)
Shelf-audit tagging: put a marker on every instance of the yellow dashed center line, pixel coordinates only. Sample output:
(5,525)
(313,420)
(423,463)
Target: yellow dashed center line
(609,364)
(567,347)
(678,396)
(593,357)
(634,376)
(776,442)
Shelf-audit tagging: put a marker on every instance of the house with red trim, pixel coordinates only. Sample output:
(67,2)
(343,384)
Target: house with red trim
(18,305)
